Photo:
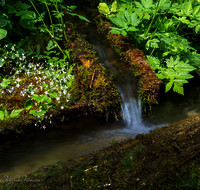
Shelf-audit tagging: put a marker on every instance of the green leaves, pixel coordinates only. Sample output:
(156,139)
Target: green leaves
(42,107)
(168,86)
(20,5)
(28,104)
(3,33)
(5,83)
(104,9)
(41,98)
(187,8)
(175,73)
(3,21)
(145,4)
(152,43)
(4,114)
(188,14)
(125,23)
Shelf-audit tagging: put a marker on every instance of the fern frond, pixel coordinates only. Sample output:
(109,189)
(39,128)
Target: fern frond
(168,86)
(178,88)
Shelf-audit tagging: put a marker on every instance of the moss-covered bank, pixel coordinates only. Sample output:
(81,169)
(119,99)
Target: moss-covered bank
(93,92)
(166,158)
(149,83)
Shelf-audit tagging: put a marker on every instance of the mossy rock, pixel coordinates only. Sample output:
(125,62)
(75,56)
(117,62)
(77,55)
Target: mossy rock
(165,158)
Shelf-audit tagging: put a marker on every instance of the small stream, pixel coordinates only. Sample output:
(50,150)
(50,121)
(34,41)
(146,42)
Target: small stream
(88,134)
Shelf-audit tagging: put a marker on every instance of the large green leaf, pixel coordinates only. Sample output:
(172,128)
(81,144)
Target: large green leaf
(114,6)
(168,86)
(197,29)
(114,31)
(3,21)
(3,33)
(139,5)
(178,88)
(28,104)
(15,113)
(118,22)
(132,29)
(147,3)
(128,17)
(103,9)
(30,15)
(187,8)
(1,115)
(21,5)
(9,25)
(134,19)
(196,10)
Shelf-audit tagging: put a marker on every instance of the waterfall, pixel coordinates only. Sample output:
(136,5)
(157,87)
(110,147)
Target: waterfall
(131,108)
(123,79)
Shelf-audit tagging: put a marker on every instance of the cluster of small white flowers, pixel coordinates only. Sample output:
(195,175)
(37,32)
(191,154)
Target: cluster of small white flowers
(16,55)
(54,83)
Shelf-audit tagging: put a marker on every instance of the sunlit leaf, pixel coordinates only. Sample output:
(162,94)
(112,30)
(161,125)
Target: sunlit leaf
(15,113)
(187,8)
(3,33)
(168,86)
(103,9)
(28,104)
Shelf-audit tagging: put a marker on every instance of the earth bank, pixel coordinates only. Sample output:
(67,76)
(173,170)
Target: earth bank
(93,91)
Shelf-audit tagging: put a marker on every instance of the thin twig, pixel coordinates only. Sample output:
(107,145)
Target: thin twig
(152,53)
(92,79)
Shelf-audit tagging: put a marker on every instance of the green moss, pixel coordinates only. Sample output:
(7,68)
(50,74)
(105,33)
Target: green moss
(93,91)
(149,84)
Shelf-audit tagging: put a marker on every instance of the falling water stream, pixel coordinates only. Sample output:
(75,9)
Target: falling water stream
(88,134)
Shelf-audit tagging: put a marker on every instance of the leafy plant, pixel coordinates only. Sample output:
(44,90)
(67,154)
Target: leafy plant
(61,27)
(3,32)
(4,114)
(157,29)
(16,18)
(127,23)
(42,106)
(174,74)
(104,9)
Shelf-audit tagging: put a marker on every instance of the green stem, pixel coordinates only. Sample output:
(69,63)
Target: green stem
(56,6)
(161,21)
(153,17)
(41,18)
(178,25)
(49,31)
(61,23)
(49,17)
